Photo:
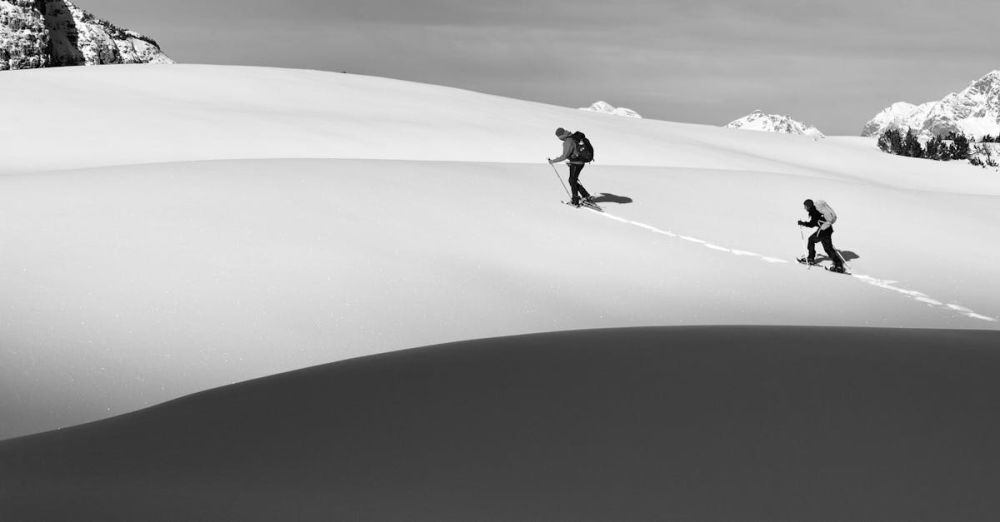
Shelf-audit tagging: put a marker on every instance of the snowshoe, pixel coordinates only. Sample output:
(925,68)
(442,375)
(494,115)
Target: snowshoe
(585,204)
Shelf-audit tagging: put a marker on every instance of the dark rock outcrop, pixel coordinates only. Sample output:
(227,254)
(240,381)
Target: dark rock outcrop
(51,33)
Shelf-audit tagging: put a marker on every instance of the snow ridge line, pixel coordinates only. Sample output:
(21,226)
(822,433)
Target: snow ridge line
(879,283)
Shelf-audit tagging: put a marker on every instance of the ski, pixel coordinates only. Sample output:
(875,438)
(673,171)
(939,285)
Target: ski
(817,265)
(591,206)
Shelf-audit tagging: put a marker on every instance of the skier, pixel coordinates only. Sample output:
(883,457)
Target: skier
(824,234)
(576,164)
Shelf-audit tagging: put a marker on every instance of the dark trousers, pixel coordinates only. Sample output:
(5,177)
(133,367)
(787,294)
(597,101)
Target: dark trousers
(574,181)
(826,238)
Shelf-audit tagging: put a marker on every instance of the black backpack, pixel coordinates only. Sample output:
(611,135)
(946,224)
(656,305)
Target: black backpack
(584,150)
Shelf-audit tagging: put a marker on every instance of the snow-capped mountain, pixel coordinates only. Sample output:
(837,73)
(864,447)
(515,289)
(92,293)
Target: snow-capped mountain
(50,33)
(974,112)
(759,121)
(900,115)
(607,108)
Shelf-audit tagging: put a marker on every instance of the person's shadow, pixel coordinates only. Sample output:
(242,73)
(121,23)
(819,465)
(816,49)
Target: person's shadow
(847,254)
(611,198)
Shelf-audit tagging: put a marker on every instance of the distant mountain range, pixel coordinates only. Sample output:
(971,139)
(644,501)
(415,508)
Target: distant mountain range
(974,112)
(607,108)
(759,121)
(51,33)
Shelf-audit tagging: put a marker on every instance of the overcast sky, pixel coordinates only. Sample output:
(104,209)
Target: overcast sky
(833,64)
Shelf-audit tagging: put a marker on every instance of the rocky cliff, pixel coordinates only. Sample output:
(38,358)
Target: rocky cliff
(50,33)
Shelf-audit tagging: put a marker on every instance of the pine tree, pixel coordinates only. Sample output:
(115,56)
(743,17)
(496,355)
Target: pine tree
(884,143)
(933,150)
(895,141)
(911,146)
(946,151)
(961,147)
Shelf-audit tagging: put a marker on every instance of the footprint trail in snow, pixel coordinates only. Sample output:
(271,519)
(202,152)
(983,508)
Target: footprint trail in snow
(880,283)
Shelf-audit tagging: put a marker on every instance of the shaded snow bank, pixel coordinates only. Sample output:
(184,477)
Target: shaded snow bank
(582,426)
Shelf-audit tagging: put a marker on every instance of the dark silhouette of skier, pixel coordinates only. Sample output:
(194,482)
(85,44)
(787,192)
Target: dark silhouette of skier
(823,222)
(571,156)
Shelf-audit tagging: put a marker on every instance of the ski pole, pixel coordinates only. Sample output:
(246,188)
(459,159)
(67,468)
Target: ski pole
(806,255)
(842,260)
(560,179)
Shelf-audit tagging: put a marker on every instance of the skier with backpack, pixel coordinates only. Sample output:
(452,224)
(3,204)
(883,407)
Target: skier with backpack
(577,151)
(822,217)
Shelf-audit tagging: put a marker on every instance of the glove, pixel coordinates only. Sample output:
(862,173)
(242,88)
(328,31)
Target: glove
(802,223)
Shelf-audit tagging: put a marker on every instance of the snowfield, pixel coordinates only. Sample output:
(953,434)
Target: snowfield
(169,229)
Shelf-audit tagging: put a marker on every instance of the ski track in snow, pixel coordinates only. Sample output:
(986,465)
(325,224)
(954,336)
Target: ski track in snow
(874,281)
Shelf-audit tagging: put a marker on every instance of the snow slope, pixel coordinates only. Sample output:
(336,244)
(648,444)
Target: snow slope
(171,229)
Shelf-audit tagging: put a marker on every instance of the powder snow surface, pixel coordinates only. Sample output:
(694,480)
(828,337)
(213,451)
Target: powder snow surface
(167,229)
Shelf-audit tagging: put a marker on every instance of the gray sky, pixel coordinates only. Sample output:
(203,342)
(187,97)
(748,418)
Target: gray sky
(831,63)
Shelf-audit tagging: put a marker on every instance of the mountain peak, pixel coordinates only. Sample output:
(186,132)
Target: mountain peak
(606,108)
(758,120)
(988,83)
(50,33)
(995,75)
(975,111)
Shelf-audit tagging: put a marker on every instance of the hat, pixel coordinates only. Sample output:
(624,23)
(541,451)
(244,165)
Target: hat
(562,132)
(808,203)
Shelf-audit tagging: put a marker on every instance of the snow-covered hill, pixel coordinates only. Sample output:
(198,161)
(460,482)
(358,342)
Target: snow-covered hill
(759,121)
(634,424)
(604,107)
(48,33)
(205,225)
(975,112)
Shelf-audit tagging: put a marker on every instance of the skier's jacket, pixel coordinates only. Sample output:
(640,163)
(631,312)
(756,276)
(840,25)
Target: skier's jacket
(569,152)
